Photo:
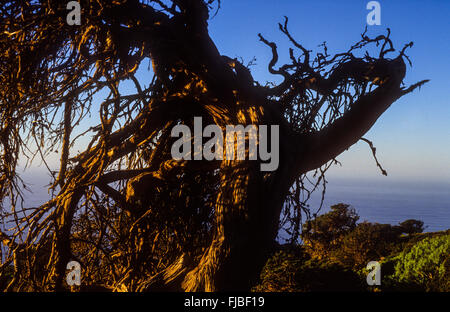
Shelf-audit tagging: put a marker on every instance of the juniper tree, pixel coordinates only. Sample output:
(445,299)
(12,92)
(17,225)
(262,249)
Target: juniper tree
(134,217)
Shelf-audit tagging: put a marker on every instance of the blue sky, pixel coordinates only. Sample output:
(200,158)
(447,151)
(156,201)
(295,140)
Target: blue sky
(413,136)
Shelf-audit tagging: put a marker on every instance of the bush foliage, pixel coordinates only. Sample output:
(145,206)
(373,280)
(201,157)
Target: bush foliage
(336,250)
(294,271)
(424,266)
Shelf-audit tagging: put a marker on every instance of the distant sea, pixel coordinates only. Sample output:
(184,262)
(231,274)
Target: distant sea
(392,202)
(388,202)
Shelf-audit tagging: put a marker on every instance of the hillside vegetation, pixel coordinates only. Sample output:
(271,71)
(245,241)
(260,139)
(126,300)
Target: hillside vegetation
(336,250)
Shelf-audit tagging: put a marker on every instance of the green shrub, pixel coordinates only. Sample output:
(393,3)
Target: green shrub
(424,266)
(336,250)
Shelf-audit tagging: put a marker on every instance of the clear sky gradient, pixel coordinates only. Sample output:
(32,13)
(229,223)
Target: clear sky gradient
(413,136)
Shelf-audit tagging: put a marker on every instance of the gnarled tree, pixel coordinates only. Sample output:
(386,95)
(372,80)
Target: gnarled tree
(135,218)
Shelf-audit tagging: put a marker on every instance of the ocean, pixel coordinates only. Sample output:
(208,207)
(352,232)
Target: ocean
(388,202)
(392,202)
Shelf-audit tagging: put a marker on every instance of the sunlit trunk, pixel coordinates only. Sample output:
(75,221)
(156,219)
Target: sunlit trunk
(247,213)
